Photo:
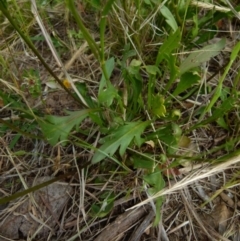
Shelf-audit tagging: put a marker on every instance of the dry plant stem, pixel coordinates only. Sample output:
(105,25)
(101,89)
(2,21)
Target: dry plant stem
(94,145)
(190,208)
(201,192)
(13,163)
(42,185)
(109,180)
(5,176)
(80,187)
(210,232)
(193,177)
(82,192)
(210,6)
(153,15)
(53,50)
(127,34)
(179,226)
(74,58)
(124,200)
(186,170)
(162,234)
(35,51)
(186,197)
(136,235)
(120,225)
(233,9)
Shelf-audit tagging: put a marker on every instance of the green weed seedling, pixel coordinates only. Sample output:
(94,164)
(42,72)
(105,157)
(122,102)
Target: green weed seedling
(104,206)
(32,83)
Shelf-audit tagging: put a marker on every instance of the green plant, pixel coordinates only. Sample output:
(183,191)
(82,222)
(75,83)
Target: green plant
(142,91)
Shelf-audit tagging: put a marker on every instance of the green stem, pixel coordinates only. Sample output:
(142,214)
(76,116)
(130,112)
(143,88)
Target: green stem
(103,24)
(87,36)
(32,47)
(14,128)
(42,185)
(98,52)
(236,82)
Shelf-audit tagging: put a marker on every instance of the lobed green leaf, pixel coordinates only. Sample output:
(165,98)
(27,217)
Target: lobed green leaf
(121,138)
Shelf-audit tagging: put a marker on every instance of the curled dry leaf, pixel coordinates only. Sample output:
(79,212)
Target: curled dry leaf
(227,200)
(150,143)
(218,218)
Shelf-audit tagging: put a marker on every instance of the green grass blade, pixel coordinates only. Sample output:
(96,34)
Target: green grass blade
(103,23)
(218,90)
(87,36)
(171,43)
(227,106)
(169,18)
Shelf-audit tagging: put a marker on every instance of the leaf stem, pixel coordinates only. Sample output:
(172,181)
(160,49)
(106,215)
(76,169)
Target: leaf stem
(32,47)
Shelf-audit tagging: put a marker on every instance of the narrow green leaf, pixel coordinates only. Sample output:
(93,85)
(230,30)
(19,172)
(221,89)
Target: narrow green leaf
(171,43)
(174,71)
(157,183)
(226,106)
(3,4)
(85,32)
(103,22)
(42,185)
(95,3)
(218,91)
(83,90)
(195,29)
(222,123)
(121,138)
(169,18)
(110,63)
(106,204)
(201,56)
(31,189)
(20,153)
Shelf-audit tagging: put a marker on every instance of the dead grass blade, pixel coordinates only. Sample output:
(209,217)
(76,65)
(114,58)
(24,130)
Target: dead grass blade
(136,235)
(53,50)
(191,178)
(209,6)
(121,225)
